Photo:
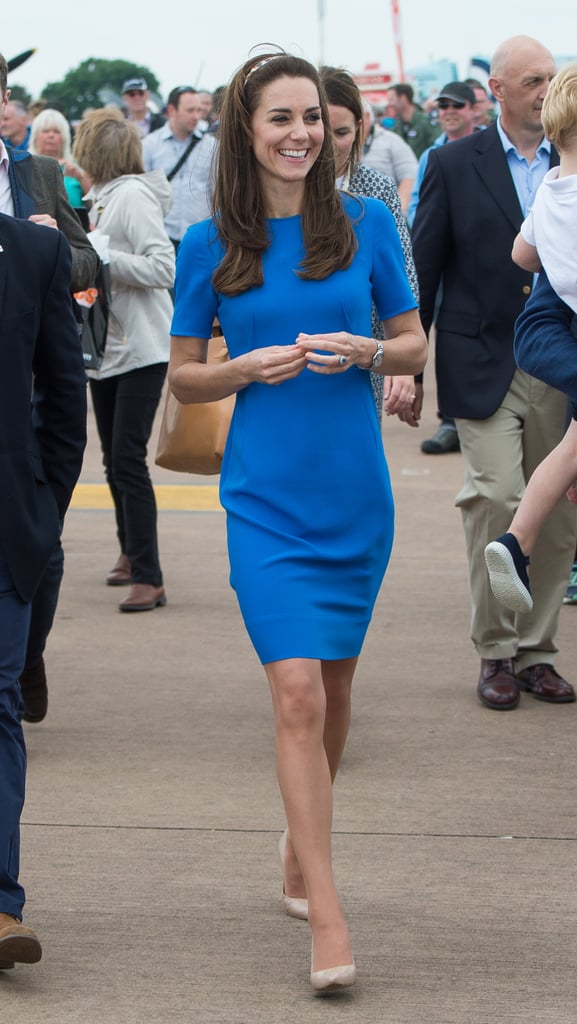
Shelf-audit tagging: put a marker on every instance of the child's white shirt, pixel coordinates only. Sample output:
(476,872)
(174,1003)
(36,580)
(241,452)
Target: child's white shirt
(551,227)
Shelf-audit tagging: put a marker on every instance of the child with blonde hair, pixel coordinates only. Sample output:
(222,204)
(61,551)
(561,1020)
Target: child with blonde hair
(546,339)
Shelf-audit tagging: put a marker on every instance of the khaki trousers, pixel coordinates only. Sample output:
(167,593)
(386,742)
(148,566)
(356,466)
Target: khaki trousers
(500,454)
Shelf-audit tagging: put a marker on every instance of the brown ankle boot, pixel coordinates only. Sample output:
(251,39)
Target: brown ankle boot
(120,574)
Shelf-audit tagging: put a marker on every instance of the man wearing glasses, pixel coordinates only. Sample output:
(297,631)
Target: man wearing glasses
(135,96)
(456,104)
(184,153)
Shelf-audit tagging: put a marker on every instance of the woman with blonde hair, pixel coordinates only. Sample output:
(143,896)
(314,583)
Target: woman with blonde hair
(128,207)
(50,135)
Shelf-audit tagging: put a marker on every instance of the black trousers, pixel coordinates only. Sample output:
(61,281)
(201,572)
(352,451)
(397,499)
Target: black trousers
(43,607)
(124,407)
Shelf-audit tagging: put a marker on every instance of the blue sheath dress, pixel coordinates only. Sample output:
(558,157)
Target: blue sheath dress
(304,479)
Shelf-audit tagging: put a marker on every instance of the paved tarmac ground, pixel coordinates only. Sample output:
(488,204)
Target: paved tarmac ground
(152,813)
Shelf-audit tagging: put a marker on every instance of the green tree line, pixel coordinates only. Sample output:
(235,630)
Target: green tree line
(94,83)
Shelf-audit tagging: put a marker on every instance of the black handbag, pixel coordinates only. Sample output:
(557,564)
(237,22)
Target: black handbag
(95,310)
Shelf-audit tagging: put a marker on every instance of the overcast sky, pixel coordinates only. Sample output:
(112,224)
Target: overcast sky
(202,43)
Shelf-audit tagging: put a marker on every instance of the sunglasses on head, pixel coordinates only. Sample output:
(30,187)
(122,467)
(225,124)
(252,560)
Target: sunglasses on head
(445,104)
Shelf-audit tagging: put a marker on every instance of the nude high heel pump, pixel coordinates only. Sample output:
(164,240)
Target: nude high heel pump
(334,978)
(294,906)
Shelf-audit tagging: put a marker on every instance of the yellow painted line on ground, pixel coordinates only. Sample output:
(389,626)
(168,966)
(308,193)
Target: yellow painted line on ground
(169,497)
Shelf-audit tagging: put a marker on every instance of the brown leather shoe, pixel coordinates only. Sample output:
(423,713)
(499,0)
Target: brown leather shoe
(34,692)
(498,688)
(546,684)
(120,575)
(142,597)
(17,943)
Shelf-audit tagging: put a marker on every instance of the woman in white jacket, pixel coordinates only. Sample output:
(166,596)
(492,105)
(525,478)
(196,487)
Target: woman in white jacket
(128,206)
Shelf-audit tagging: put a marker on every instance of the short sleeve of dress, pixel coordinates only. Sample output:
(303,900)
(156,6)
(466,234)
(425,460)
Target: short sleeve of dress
(196,302)
(392,292)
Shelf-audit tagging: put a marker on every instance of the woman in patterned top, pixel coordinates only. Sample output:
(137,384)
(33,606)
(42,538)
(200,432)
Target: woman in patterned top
(346,119)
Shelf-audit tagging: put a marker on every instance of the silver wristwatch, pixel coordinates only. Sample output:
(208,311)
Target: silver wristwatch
(378,356)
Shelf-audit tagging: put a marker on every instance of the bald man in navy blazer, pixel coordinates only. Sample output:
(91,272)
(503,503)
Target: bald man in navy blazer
(42,442)
(473,199)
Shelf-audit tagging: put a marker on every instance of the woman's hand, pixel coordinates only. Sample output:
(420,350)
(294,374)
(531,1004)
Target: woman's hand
(336,353)
(192,379)
(71,170)
(400,399)
(273,365)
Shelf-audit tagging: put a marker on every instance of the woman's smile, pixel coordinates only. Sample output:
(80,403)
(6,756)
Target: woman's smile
(287,131)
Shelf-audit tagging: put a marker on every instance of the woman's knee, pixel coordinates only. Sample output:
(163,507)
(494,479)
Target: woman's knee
(300,701)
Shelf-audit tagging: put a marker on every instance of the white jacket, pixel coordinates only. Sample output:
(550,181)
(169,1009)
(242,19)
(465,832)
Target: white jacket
(130,211)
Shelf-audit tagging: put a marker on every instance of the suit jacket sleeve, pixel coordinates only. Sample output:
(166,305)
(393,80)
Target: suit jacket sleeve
(431,237)
(50,197)
(59,413)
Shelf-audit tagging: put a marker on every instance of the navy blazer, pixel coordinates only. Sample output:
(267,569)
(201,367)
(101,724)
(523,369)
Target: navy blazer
(41,441)
(465,225)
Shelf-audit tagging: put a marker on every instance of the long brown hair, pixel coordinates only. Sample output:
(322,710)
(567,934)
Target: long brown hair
(238,202)
(341,90)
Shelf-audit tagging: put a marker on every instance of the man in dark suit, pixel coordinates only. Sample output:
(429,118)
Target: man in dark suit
(32,188)
(41,448)
(474,196)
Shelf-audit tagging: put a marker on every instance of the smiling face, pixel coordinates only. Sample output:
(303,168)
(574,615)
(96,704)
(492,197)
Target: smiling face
(287,132)
(344,129)
(456,119)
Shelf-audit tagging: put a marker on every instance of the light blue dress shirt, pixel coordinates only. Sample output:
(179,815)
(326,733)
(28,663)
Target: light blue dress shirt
(192,186)
(526,177)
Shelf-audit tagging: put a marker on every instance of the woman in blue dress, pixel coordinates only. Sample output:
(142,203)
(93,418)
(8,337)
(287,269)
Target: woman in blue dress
(290,267)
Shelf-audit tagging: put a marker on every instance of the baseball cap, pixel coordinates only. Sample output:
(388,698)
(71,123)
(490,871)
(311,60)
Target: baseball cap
(458,92)
(135,83)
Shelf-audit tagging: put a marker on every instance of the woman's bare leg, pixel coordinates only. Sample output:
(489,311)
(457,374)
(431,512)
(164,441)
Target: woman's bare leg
(299,703)
(337,679)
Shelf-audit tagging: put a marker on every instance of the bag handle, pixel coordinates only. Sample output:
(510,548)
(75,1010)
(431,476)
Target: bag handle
(183,157)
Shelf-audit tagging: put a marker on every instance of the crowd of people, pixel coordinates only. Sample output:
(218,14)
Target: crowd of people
(368,228)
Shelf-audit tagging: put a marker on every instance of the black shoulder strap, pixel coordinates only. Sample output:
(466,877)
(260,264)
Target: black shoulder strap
(184,156)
